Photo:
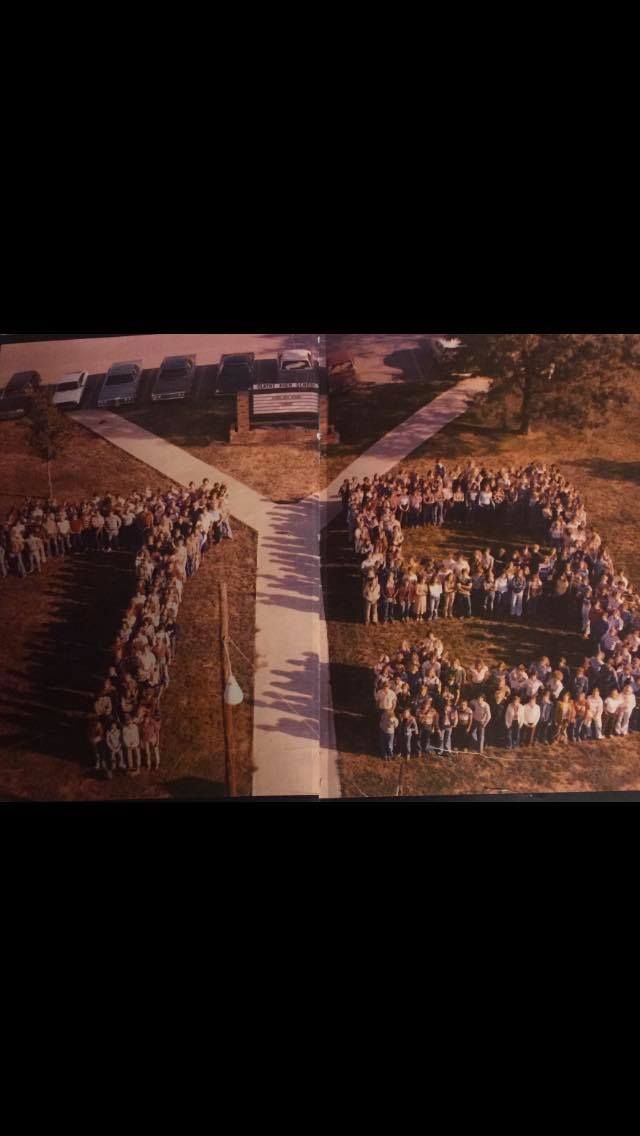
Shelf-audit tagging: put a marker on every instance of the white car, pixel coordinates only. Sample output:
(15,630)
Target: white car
(292,363)
(70,391)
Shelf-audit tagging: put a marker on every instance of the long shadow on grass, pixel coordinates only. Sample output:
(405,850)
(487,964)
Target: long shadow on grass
(69,658)
(614,470)
(342,580)
(195,789)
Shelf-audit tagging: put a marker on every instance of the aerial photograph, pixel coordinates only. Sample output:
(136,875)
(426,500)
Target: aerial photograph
(319,566)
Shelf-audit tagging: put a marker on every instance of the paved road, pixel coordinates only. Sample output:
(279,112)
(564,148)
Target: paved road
(54,358)
(384,358)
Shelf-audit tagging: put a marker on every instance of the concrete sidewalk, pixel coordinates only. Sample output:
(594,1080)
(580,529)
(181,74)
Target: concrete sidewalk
(172,461)
(395,446)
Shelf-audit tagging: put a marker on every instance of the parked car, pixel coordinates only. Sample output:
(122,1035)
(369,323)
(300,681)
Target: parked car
(291,363)
(120,384)
(22,383)
(236,373)
(14,399)
(446,347)
(341,365)
(174,378)
(69,392)
(15,406)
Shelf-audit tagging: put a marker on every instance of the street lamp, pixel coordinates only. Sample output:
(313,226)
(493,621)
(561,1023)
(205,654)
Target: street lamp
(233,695)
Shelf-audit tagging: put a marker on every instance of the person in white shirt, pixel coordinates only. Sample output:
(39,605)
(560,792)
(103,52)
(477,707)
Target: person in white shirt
(628,702)
(435,592)
(530,719)
(131,739)
(386,698)
(612,713)
(114,742)
(513,720)
(532,685)
(518,679)
(64,529)
(478,674)
(502,590)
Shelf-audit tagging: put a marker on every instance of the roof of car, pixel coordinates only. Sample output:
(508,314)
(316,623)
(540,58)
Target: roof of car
(295,353)
(115,368)
(177,360)
(339,357)
(236,360)
(72,375)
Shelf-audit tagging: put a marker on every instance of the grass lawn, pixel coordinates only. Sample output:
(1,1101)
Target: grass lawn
(57,628)
(288,472)
(367,411)
(605,466)
(282,472)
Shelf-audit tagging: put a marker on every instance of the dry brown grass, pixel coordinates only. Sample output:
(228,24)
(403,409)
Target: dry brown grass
(280,472)
(288,472)
(56,628)
(363,413)
(605,466)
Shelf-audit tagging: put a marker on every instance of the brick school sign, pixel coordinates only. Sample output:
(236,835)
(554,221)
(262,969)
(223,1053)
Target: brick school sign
(287,411)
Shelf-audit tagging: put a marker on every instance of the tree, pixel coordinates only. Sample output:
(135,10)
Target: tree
(577,379)
(48,428)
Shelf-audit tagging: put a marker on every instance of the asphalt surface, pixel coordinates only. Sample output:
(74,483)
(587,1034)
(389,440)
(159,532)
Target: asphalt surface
(205,385)
(55,358)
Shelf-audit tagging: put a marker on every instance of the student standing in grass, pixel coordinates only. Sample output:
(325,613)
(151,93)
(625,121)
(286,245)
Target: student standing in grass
(371,596)
(514,720)
(435,594)
(463,728)
(408,731)
(628,705)
(388,725)
(530,720)
(464,594)
(481,719)
(562,717)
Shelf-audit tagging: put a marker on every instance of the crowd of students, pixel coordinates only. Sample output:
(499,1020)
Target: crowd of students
(573,579)
(169,532)
(427,702)
(42,530)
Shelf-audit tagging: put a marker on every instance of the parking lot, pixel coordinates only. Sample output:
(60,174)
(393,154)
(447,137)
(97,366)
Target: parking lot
(55,358)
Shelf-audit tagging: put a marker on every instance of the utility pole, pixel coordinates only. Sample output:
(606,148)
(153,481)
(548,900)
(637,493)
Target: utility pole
(229,748)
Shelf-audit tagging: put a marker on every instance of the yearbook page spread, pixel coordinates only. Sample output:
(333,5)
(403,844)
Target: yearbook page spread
(318,566)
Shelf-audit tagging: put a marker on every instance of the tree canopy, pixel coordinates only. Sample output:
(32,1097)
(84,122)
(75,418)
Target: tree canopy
(577,378)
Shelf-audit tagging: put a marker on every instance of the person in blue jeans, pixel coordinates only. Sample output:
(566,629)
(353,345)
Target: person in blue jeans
(448,722)
(545,724)
(513,720)
(428,721)
(516,590)
(481,719)
(408,731)
(388,725)
(388,599)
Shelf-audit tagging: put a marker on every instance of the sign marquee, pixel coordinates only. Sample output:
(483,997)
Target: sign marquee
(285,398)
